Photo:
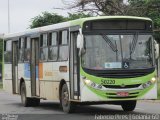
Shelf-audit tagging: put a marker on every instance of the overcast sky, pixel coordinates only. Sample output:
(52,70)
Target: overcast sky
(21,12)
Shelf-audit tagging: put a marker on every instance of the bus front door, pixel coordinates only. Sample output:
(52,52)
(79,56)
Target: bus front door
(15,67)
(34,67)
(74,68)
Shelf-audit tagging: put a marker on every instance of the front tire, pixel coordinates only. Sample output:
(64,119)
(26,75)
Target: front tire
(129,105)
(67,105)
(28,101)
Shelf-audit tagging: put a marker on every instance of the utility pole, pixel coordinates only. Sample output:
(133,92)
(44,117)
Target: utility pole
(8,16)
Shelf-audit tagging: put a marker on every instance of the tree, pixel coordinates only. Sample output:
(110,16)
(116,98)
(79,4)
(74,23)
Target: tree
(142,8)
(1,49)
(46,19)
(77,16)
(148,8)
(99,7)
(1,54)
(115,7)
(51,18)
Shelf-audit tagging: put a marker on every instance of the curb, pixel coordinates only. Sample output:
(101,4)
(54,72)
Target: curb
(150,101)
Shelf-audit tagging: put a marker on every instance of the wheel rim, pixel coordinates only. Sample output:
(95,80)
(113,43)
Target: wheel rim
(65,98)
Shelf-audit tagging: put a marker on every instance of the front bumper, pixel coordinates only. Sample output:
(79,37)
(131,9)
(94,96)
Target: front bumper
(91,94)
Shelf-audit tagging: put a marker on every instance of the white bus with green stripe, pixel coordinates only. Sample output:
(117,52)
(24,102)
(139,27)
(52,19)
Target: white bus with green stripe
(96,60)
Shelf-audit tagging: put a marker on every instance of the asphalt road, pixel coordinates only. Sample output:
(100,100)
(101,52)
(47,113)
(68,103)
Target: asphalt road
(10,106)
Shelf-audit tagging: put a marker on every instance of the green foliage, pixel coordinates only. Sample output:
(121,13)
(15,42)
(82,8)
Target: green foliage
(1,56)
(154,14)
(77,16)
(1,50)
(1,86)
(141,8)
(147,8)
(159,91)
(46,19)
(51,18)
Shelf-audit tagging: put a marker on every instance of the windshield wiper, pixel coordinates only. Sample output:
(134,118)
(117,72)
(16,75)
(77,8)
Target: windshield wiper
(149,46)
(133,44)
(109,42)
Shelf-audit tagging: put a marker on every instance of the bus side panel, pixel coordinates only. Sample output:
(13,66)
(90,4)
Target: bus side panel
(49,90)
(7,83)
(24,73)
(50,77)
(28,87)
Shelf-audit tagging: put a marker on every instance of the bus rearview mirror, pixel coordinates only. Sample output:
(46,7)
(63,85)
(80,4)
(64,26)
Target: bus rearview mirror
(156,50)
(80,41)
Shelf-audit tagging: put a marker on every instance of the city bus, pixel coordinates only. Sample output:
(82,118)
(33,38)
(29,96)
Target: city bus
(95,60)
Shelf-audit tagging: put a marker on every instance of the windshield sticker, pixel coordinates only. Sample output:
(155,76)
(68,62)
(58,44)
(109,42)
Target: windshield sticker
(125,65)
(113,37)
(113,65)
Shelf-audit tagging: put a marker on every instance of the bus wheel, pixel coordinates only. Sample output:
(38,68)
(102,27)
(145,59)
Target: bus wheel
(65,103)
(28,101)
(129,105)
(25,101)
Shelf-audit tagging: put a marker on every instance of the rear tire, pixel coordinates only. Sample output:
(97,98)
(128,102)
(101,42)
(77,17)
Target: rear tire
(28,101)
(67,105)
(129,105)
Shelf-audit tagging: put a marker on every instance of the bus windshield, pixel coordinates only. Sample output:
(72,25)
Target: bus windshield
(132,51)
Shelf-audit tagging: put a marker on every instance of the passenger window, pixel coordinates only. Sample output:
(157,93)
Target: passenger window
(21,49)
(7,52)
(27,51)
(63,45)
(64,37)
(53,47)
(28,43)
(8,45)
(44,47)
(54,38)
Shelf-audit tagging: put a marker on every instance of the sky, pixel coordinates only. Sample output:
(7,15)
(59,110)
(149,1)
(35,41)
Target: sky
(22,11)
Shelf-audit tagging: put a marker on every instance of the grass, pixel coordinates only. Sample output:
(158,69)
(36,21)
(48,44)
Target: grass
(159,90)
(1,86)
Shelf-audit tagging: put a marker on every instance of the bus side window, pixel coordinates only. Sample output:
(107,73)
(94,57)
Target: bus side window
(27,49)
(7,51)
(21,50)
(44,47)
(53,46)
(63,45)
(4,45)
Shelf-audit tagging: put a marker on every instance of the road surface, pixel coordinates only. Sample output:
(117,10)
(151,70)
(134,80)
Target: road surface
(11,105)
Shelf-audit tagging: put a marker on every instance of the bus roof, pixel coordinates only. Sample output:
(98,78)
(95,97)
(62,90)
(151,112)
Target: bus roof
(78,22)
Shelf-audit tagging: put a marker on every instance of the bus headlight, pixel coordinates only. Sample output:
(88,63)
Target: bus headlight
(88,82)
(93,84)
(153,80)
(149,83)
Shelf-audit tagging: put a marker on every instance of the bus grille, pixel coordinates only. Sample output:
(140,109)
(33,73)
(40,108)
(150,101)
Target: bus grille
(121,87)
(116,97)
